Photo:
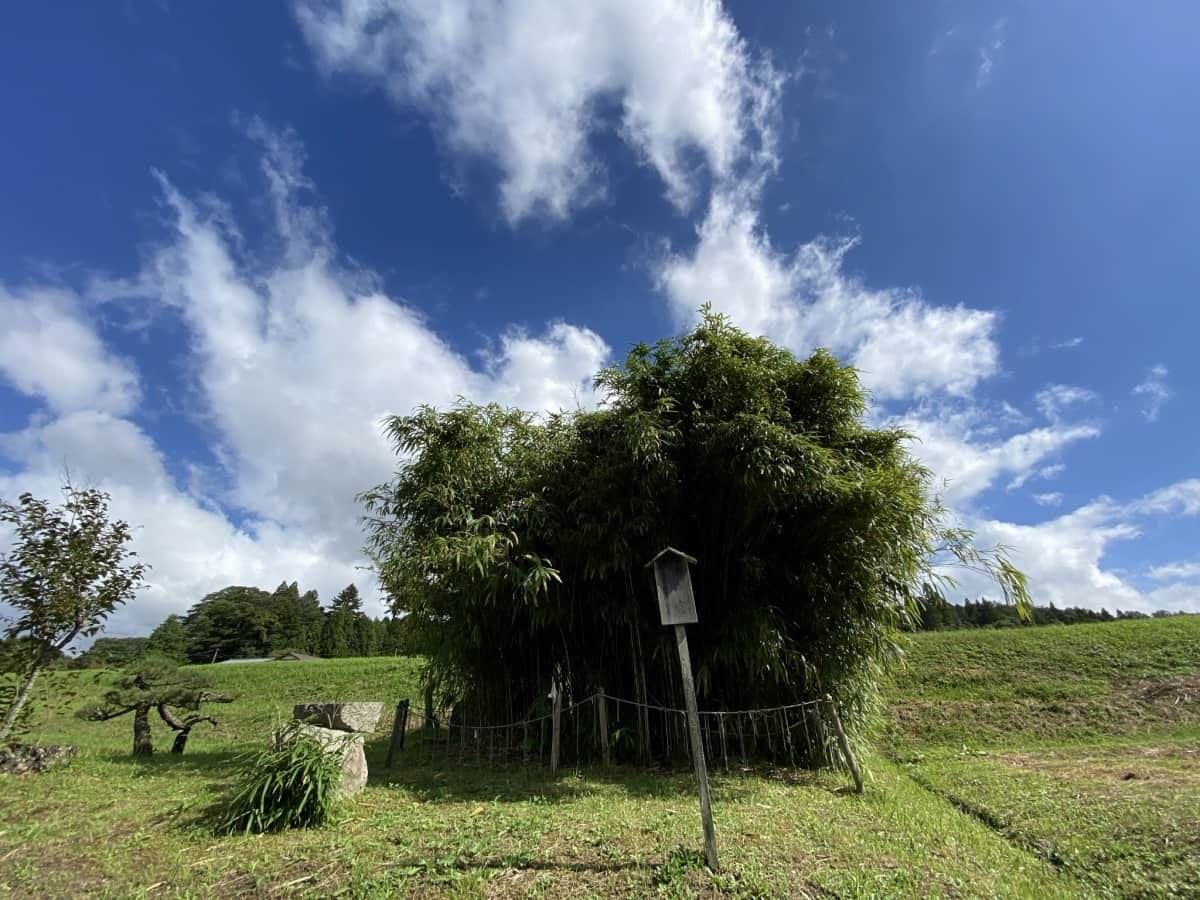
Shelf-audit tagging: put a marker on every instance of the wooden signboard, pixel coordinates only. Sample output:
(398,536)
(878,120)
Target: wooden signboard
(676,604)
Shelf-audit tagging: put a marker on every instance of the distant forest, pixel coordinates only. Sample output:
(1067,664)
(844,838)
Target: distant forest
(937,614)
(249,623)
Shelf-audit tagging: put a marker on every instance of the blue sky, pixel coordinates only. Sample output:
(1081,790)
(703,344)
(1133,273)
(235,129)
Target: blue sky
(232,236)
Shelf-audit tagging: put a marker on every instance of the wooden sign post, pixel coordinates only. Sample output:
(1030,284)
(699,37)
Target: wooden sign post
(677,607)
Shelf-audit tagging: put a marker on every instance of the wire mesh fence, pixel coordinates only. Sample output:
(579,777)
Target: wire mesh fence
(603,729)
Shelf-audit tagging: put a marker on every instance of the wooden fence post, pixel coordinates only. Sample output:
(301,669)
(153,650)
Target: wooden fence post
(844,744)
(556,734)
(605,754)
(430,718)
(689,696)
(399,729)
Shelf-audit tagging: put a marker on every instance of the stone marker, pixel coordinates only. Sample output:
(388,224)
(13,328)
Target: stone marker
(349,745)
(340,716)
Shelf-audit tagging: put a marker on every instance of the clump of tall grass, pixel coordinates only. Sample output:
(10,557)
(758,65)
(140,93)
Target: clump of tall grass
(293,784)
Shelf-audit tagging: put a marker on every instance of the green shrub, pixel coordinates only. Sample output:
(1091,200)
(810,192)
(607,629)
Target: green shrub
(291,785)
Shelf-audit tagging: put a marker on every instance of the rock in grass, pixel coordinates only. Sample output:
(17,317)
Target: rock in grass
(349,745)
(340,716)
(24,759)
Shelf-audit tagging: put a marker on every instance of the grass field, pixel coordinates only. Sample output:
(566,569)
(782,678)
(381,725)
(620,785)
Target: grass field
(1078,743)
(1050,762)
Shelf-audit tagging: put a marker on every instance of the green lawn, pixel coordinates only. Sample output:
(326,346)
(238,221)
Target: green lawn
(1079,743)
(1050,762)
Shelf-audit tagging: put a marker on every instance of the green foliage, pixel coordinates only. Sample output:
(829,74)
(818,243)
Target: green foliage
(347,600)
(517,545)
(238,622)
(336,635)
(157,683)
(112,652)
(67,569)
(292,785)
(170,639)
(938,614)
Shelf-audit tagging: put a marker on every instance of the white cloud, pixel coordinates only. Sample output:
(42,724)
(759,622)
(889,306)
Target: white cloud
(990,53)
(299,359)
(1154,392)
(524,85)
(192,546)
(963,449)
(1053,399)
(1054,498)
(1067,344)
(50,350)
(1175,570)
(1063,557)
(1179,499)
(903,346)
(295,360)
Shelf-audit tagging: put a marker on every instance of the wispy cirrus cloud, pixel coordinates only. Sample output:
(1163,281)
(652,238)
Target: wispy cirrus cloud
(1067,344)
(1055,399)
(1153,392)
(1175,571)
(990,52)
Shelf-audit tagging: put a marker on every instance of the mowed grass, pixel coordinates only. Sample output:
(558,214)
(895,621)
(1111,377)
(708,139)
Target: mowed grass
(1051,777)
(113,827)
(264,696)
(1047,685)
(1079,743)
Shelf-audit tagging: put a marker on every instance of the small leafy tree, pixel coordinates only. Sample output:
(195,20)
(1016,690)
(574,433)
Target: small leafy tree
(158,684)
(67,569)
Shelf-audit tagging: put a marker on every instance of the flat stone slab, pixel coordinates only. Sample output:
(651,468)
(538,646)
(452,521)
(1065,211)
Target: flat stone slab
(359,716)
(348,745)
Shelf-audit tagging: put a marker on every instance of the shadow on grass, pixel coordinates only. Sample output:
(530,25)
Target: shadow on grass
(431,777)
(519,862)
(191,763)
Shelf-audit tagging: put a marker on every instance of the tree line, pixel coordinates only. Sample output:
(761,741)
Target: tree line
(937,614)
(240,622)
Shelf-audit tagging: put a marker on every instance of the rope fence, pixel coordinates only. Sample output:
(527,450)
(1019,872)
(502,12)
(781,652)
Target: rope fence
(601,729)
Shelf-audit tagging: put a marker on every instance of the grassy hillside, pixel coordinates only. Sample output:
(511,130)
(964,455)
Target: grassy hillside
(1049,684)
(265,694)
(1079,743)
(1021,763)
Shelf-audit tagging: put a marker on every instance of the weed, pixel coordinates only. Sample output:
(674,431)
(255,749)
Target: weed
(291,785)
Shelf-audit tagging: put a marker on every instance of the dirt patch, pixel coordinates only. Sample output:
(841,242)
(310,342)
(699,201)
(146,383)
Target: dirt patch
(1182,690)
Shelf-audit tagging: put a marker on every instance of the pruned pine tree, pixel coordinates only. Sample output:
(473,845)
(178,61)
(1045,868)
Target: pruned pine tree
(158,684)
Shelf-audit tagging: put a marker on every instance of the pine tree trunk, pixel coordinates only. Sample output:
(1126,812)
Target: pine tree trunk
(142,744)
(180,740)
(18,703)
